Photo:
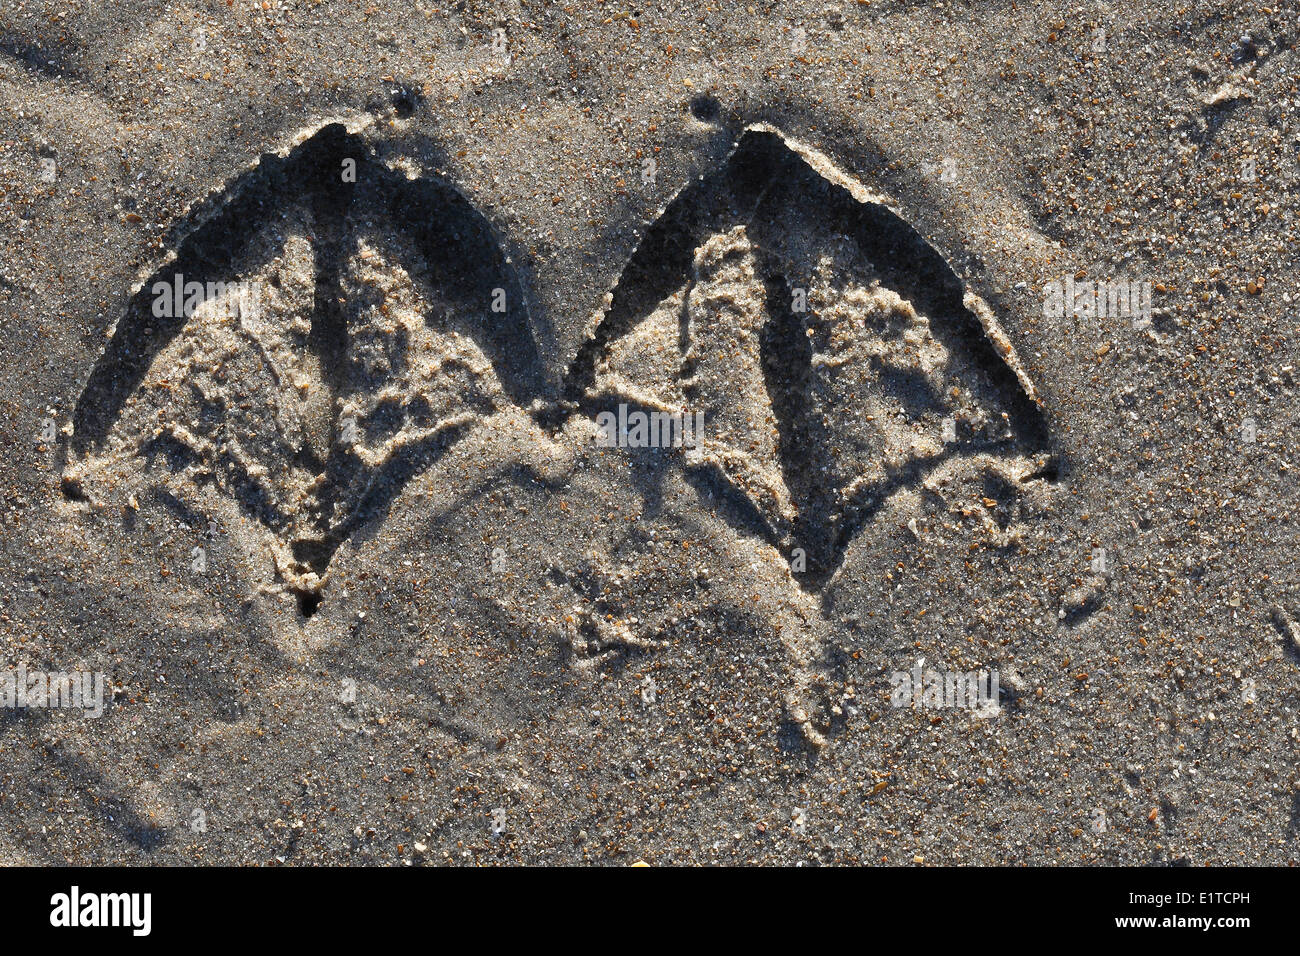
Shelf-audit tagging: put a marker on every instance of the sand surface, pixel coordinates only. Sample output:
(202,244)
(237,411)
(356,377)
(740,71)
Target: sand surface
(313,317)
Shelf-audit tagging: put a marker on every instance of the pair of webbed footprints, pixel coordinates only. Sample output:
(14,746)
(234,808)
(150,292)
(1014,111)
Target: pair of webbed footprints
(831,350)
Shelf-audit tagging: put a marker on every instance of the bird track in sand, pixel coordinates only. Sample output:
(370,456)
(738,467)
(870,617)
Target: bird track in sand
(835,356)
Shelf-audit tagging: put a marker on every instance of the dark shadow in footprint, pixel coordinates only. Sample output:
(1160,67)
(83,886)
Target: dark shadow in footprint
(46,60)
(662,261)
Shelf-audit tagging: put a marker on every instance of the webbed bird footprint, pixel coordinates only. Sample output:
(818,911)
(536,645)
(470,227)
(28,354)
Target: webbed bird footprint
(833,353)
(340,324)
